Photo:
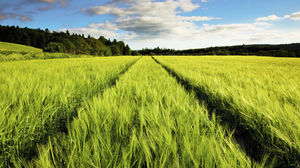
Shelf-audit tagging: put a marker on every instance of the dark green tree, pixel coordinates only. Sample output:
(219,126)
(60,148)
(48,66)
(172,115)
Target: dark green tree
(115,50)
(127,50)
(55,47)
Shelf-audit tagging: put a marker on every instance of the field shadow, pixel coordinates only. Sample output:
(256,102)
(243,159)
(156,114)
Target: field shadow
(255,144)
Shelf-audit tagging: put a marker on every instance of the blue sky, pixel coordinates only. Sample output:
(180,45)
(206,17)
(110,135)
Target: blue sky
(179,24)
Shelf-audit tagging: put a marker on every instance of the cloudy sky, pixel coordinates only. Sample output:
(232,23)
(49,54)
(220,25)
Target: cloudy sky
(179,24)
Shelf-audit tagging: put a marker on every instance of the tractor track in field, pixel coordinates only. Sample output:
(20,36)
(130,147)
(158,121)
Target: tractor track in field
(30,152)
(249,139)
(114,80)
(111,83)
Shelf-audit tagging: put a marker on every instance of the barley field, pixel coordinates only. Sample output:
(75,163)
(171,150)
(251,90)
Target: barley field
(259,97)
(150,112)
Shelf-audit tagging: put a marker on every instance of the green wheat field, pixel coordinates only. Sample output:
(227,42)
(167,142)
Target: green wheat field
(160,111)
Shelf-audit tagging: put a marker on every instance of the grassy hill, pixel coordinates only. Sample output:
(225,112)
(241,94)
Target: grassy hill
(4,46)
(13,52)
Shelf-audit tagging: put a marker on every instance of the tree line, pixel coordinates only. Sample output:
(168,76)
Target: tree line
(282,50)
(63,42)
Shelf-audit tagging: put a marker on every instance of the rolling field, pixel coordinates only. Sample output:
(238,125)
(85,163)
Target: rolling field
(16,52)
(150,112)
(4,46)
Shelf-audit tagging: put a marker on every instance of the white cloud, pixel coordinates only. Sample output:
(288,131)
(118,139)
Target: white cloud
(262,24)
(187,5)
(143,7)
(191,36)
(151,23)
(107,26)
(95,30)
(198,18)
(148,19)
(220,35)
(100,10)
(294,16)
(269,18)
(244,28)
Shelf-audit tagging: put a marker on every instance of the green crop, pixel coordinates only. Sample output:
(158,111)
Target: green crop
(259,95)
(161,112)
(146,120)
(39,98)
